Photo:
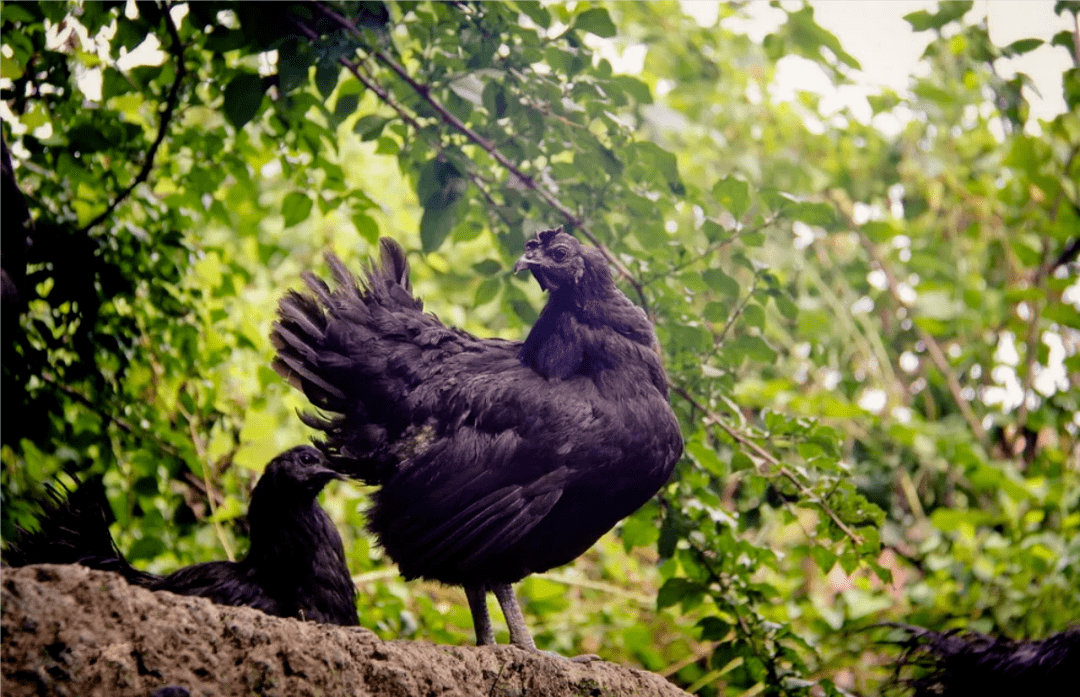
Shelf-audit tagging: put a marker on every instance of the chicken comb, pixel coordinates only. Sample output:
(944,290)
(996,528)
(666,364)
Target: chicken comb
(545,235)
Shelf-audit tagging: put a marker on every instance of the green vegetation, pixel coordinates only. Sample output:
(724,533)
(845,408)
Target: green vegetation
(840,308)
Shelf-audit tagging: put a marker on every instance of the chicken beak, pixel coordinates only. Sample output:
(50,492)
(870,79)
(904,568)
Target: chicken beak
(523,263)
(327,474)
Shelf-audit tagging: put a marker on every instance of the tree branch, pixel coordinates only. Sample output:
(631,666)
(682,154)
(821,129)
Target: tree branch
(384,95)
(528,182)
(166,116)
(675,268)
(733,605)
(123,425)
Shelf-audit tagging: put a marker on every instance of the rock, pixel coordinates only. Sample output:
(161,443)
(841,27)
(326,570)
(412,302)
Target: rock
(69,630)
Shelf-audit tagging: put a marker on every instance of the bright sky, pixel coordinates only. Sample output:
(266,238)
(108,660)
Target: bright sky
(875,33)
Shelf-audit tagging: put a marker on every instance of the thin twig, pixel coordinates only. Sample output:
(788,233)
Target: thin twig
(722,336)
(609,588)
(495,683)
(767,457)
(1031,341)
(937,356)
(675,268)
(365,80)
(200,450)
(375,576)
(932,346)
(163,126)
(1076,39)
(1072,248)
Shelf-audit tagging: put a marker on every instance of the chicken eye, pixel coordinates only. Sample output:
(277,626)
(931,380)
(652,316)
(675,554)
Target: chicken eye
(558,254)
(308,458)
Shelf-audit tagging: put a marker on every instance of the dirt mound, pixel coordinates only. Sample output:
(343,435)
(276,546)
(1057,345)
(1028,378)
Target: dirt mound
(68,630)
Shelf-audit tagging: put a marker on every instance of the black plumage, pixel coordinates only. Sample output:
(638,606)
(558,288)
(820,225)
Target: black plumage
(969,663)
(295,566)
(494,459)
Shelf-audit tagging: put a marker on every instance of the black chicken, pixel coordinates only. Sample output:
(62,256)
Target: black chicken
(295,566)
(494,459)
(968,663)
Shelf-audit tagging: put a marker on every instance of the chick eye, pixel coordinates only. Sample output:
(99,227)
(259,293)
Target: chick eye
(308,458)
(558,254)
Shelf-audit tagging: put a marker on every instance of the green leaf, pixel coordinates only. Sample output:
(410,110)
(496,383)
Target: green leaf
(947,12)
(327,72)
(880,231)
(370,127)
(536,12)
(243,96)
(487,267)
(346,105)
(1063,6)
(713,628)
(146,486)
(653,159)
(716,312)
(436,223)
(920,20)
(296,208)
(146,548)
(1021,47)
(113,84)
(686,337)
(387,146)
(733,194)
(786,307)
(706,457)
(1071,82)
(470,88)
(754,315)
(1063,39)
(635,88)
(670,534)
(487,291)
(676,590)
(740,461)
(821,213)
(721,282)
(595,21)
(11,12)
(639,531)
(494,99)
(439,183)
(823,557)
(367,227)
(883,102)
(293,64)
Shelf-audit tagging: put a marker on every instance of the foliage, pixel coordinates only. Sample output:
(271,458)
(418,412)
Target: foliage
(841,309)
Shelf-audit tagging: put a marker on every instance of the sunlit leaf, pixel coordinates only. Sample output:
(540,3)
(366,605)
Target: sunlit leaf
(595,21)
(296,208)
